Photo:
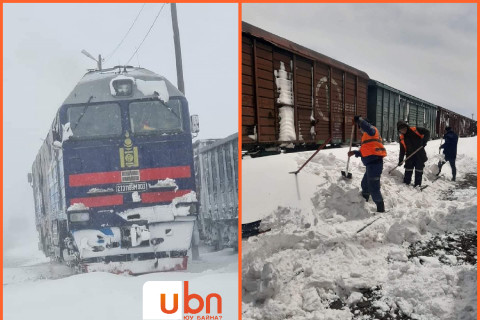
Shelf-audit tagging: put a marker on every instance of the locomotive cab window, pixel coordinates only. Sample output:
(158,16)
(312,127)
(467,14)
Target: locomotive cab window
(95,120)
(155,116)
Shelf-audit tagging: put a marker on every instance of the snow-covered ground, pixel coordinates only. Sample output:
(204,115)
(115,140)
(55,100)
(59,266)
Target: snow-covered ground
(34,288)
(314,265)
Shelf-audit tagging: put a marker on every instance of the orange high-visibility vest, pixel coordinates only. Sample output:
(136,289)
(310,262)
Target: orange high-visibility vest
(402,138)
(372,145)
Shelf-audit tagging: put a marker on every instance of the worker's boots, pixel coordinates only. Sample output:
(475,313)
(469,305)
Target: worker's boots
(380,206)
(366,196)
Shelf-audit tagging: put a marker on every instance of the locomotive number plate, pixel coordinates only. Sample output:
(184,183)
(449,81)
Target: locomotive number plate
(131,187)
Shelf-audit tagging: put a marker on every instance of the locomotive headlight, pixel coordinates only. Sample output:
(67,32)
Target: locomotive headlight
(122,87)
(79,217)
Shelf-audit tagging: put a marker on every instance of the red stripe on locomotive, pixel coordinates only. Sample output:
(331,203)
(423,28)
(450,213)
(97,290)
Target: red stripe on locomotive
(164,173)
(101,201)
(149,197)
(87,179)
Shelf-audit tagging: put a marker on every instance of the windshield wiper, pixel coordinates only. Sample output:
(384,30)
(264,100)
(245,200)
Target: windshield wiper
(83,113)
(169,109)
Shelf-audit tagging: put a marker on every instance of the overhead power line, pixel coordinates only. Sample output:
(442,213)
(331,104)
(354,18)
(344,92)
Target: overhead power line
(154,21)
(118,46)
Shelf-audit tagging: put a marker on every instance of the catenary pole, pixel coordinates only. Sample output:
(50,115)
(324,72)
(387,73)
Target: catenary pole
(178,51)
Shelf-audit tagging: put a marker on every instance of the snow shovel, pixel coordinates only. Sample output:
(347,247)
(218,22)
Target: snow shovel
(440,162)
(346,174)
(398,165)
(313,155)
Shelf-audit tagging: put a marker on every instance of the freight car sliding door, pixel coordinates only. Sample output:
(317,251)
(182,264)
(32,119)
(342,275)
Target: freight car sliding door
(433,118)
(421,121)
(412,113)
(283,61)
(337,106)
(322,102)
(264,89)
(391,116)
(350,94)
(385,100)
(303,97)
(397,116)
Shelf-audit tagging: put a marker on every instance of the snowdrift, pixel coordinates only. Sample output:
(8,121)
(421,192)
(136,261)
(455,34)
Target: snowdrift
(416,262)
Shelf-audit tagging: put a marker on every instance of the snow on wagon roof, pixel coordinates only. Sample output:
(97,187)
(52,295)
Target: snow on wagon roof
(97,86)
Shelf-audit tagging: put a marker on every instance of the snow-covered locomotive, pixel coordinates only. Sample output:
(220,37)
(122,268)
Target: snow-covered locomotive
(114,182)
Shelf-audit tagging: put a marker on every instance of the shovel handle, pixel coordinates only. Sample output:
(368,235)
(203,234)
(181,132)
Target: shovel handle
(313,155)
(350,148)
(398,165)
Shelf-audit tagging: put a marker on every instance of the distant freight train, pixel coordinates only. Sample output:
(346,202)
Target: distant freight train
(114,181)
(295,96)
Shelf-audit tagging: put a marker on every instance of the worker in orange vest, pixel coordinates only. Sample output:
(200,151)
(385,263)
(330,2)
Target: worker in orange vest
(372,152)
(412,138)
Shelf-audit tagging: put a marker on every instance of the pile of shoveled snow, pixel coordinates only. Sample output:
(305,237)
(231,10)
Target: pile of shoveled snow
(313,264)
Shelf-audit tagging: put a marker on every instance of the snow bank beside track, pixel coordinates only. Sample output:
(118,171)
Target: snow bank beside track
(313,264)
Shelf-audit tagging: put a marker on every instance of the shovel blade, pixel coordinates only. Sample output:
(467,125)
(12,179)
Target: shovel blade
(347,175)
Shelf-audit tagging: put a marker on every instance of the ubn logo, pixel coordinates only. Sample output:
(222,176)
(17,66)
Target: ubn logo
(164,300)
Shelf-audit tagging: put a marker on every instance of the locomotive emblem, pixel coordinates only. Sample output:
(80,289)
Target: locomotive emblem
(129,153)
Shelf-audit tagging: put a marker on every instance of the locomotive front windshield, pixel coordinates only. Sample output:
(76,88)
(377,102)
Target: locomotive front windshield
(155,116)
(95,120)
(144,117)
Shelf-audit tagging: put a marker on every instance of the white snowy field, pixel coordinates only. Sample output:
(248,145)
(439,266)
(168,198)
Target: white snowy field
(34,288)
(313,255)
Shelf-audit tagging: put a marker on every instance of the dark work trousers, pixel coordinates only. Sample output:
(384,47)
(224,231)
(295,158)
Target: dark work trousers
(371,181)
(452,164)
(417,165)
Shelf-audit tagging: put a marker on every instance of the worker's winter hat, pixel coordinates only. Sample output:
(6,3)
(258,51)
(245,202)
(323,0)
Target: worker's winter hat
(448,128)
(401,124)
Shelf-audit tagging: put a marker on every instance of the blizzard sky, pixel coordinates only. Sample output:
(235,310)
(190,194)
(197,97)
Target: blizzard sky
(427,50)
(42,63)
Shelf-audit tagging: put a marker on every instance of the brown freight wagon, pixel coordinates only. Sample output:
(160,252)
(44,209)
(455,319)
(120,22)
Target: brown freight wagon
(461,125)
(469,127)
(320,94)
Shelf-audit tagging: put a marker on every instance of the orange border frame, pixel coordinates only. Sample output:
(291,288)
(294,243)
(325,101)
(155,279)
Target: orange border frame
(239,161)
(1,161)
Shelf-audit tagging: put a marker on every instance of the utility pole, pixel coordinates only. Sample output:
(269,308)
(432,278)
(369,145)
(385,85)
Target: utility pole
(178,51)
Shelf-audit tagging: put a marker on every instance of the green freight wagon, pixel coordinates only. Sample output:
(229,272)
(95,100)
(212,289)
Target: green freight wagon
(387,105)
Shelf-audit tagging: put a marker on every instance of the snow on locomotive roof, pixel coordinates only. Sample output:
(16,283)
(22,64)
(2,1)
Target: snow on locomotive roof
(95,86)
